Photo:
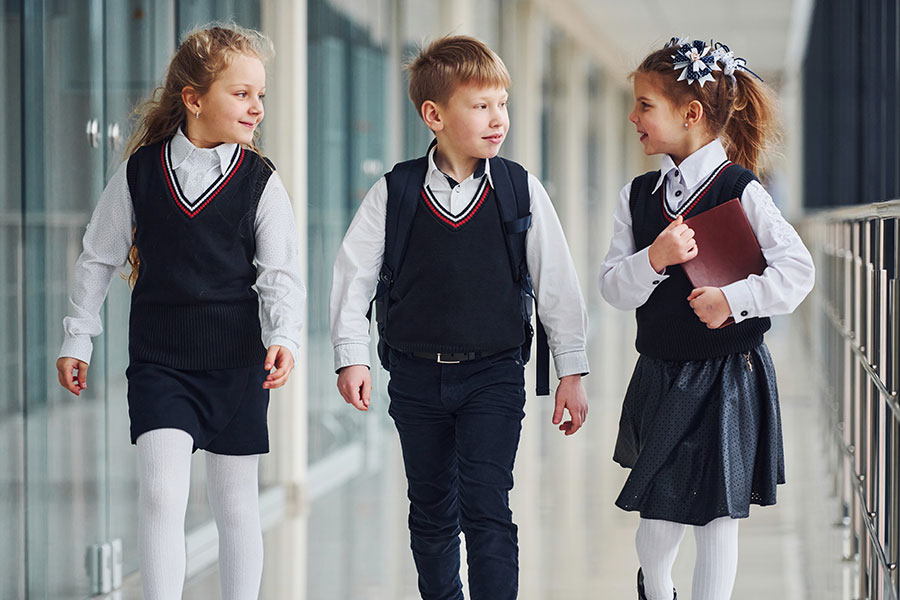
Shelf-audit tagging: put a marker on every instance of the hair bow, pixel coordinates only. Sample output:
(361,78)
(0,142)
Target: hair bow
(696,61)
(730,64)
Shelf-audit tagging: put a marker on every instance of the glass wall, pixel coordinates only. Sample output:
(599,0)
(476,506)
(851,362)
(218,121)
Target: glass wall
(64,167)
(68,471)
(138,39)
(420,24)
(347,145)
(12,474)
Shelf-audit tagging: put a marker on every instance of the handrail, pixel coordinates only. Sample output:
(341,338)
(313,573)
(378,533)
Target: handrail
(889,209)
(856,319)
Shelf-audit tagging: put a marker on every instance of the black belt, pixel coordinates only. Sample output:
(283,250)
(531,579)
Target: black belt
(452,358)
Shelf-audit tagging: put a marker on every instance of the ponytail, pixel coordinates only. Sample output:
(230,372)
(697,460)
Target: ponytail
(751,128)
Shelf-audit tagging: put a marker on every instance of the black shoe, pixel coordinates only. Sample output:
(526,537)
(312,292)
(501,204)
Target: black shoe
(640,587)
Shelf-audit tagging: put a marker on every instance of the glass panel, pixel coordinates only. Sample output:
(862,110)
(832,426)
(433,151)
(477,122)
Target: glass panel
(421,24)
(195,13)
(12,441)
(347,154)
(487,26)
(65,435)
(140,37)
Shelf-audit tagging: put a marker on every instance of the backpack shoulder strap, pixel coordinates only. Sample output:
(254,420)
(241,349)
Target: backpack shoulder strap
(510,181)
(403,184)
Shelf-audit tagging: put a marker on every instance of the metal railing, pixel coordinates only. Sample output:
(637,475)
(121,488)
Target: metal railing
(855,339)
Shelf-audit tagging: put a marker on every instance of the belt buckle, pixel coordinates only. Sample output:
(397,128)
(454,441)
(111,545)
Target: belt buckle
(446,362)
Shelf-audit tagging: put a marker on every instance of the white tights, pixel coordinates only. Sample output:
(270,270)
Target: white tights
(717,553)
(164,464)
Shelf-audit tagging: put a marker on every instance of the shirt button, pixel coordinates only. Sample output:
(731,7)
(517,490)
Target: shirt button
(676,172)
(656,282)
(677,193)
(743,313)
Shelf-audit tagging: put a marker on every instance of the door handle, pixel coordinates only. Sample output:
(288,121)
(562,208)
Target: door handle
(113,135)
(93,133)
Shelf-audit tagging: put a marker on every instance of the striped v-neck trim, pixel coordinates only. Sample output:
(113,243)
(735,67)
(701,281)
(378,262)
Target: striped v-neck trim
(689,204)
(192,207)
(456,221)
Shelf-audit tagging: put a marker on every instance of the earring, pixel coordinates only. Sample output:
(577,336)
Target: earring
(685,125)
(197,114)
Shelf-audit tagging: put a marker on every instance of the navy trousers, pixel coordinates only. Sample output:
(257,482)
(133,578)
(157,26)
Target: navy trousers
(459,428)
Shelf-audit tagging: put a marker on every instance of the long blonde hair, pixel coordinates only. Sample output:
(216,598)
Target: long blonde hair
(202,56)
(742,112)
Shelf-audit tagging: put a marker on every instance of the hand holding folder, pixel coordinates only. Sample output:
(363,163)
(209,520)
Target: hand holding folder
(727,249)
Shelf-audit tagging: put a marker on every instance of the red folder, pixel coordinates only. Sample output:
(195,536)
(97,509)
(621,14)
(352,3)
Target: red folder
(727,249)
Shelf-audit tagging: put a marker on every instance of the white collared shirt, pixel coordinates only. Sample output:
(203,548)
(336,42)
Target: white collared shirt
(358,263)
(107,242)
(627,280)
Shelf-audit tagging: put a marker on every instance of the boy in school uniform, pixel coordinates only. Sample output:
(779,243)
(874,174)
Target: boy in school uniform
(449,245)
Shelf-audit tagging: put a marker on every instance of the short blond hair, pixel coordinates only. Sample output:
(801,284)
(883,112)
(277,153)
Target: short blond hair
(449,62)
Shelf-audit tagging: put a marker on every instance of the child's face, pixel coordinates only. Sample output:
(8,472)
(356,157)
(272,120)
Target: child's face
(474,121)
(658,121)
(232,107)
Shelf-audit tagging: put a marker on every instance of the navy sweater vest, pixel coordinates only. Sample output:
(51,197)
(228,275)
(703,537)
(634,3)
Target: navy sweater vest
(193,306)
(455,292)
(667,327)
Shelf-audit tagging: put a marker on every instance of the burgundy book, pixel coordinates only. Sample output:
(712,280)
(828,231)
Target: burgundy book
(727,249)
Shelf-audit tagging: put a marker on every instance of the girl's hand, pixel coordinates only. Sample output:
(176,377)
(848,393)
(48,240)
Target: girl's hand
(66,368)
(355,385)
(710,304)
(674,245)
(280,358)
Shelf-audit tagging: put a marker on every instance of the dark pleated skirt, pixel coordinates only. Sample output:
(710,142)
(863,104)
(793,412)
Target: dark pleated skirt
(702,438)
(224,410)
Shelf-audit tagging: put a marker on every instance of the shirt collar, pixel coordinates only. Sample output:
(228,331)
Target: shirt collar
(434,174)
(181,148)
(695,167)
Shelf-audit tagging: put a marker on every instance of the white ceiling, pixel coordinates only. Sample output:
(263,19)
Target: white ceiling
(758,30)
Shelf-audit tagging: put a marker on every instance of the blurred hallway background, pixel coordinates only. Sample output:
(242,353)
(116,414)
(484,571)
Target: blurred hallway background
(337,117)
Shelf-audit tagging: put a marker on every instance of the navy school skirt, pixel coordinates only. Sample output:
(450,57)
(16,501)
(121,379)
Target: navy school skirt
(224,410)
(702,438)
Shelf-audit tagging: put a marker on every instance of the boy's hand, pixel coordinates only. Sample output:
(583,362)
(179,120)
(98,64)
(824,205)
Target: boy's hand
(674,245)
(570,395)
(280,358)
(355,385)
(710,304)
(66,368)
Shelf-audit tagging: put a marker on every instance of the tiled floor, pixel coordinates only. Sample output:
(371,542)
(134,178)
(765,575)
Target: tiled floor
(575,545)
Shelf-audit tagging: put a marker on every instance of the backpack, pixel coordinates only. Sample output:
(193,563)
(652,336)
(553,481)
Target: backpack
(511,187)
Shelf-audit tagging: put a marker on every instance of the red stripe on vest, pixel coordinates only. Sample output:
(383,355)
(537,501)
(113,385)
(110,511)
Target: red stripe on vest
(471,214)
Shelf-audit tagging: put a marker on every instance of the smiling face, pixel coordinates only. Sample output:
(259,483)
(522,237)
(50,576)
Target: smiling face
(473,123)
(232,108)
(659,123)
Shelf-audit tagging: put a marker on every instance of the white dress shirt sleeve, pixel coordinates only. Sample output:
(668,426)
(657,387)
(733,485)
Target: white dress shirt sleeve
(106,244)
(790,273)
(626,278)
(279,283)
(559,300)
(355,278)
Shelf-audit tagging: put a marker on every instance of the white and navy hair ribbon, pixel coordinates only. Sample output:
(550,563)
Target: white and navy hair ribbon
(724,55)
(696,61)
